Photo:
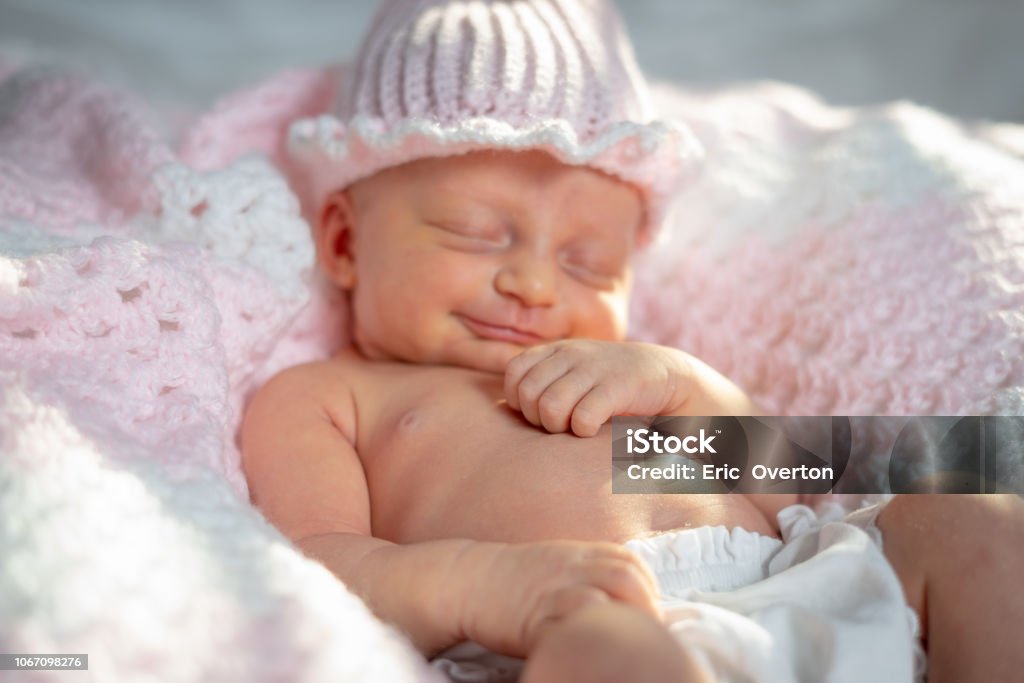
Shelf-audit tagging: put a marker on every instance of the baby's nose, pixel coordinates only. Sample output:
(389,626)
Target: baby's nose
(529,279)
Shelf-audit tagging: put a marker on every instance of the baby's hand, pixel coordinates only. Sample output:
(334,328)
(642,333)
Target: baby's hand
(579,384)
(512,592)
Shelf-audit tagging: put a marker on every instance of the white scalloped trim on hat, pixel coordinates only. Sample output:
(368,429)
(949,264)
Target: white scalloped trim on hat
(656,156)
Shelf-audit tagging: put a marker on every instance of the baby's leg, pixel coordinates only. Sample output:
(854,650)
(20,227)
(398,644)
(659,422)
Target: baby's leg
(961,561)
(613,642)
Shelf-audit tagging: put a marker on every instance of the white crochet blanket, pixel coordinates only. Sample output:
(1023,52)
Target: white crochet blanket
(831,261)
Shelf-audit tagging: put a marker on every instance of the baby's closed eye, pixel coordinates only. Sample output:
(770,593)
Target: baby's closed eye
(472,234)
(592,268)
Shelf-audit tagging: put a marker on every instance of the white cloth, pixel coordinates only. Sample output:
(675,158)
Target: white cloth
(822,604)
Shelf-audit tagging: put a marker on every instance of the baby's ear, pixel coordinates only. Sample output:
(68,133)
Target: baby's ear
(335,239)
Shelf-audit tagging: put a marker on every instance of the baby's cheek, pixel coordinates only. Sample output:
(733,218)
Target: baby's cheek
(459,275)
(428,289)
(603,316)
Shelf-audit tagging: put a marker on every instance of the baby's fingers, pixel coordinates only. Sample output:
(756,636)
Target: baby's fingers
(528,393)
(626,582)
(555,405)
(595,408)
(546,397)
(517,368)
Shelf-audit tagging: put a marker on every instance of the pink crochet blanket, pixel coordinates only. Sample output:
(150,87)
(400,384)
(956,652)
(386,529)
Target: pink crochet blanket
(831,261)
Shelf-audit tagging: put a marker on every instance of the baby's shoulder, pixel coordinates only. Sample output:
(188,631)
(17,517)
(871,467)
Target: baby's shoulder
(311,380)
(322,386)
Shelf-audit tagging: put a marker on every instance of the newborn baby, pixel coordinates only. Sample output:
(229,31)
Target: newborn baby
(488,175)
(489,297)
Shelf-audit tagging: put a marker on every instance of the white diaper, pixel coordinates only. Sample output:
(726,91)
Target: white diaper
(822,604)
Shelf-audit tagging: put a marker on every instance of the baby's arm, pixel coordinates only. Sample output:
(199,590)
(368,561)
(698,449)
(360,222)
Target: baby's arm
(306,477)
(307,480)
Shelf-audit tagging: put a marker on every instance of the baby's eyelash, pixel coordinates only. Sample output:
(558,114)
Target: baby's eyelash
(469,232)
(590,274)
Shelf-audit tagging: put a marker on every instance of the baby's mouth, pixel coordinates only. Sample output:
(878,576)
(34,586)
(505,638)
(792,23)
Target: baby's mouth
(495,332)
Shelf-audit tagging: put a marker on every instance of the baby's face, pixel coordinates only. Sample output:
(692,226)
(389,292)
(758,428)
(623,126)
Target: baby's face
(468,260)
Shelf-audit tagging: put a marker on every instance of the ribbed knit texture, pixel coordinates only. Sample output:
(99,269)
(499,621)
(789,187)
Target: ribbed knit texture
(514,61)
(442,77)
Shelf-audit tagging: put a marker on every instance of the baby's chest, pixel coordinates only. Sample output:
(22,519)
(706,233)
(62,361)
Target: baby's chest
(435,415)
(436,428)
(454,420)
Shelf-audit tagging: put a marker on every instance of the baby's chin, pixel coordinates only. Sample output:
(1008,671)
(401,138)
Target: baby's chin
(470,353)
(486,355)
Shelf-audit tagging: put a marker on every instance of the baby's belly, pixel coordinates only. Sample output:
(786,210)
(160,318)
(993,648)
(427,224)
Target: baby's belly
(519,484)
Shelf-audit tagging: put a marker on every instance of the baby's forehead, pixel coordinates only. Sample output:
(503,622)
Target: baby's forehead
(514,178)
(536,165)
(509,191)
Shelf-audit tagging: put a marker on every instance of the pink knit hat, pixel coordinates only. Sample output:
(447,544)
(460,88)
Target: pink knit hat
(444,77)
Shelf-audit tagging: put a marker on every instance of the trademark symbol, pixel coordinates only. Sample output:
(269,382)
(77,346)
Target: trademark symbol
(718,431)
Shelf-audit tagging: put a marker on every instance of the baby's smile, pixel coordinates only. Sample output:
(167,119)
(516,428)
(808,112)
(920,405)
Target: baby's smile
(497,332)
